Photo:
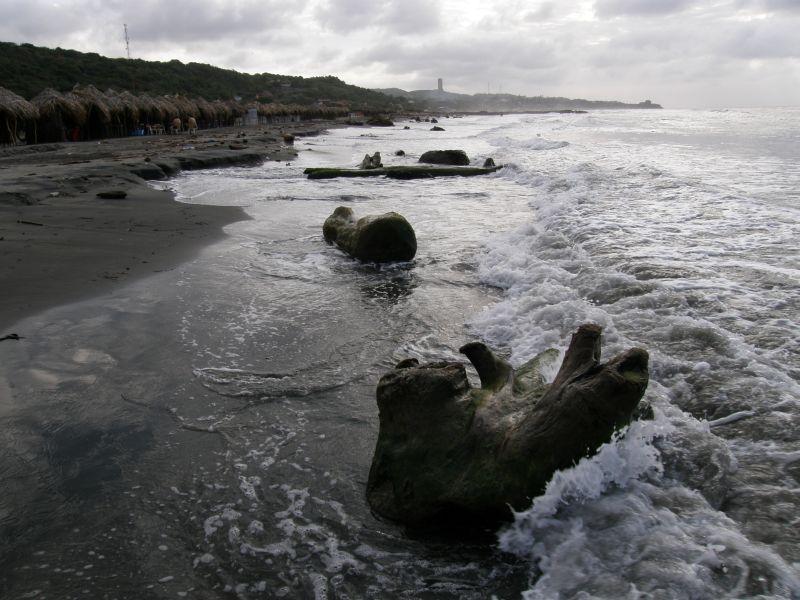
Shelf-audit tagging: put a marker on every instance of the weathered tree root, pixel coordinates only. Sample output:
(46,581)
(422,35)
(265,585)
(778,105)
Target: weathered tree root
(449,455)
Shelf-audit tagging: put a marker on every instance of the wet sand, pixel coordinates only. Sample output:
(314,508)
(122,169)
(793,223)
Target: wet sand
(60,242)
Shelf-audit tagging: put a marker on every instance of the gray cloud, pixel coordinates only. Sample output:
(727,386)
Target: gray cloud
(616,8)
(542,13)
(394,16)
(771,5)
(674,51)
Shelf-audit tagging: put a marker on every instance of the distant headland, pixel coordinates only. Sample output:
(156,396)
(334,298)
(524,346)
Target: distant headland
(439,99)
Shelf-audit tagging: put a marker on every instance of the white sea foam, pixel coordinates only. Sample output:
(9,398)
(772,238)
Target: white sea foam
(642,223)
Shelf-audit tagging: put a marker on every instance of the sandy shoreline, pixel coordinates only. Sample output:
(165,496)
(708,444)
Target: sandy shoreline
(60,242)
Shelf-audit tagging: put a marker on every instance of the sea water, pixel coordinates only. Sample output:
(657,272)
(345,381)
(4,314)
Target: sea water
(223,449)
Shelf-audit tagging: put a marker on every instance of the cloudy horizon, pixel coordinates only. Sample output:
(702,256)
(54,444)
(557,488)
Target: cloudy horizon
(679,53)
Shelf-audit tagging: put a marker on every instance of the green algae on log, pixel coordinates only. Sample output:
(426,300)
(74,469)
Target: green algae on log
(450,456)
(416,172)
(374,238)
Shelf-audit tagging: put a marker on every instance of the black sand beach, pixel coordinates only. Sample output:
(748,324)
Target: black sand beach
(61,242)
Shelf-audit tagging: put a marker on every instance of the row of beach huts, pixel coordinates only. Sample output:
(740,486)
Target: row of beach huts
(86,113)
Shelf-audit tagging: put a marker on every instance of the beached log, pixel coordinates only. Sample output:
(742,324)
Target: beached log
(374,238)
(399,172)
(445,157)
(449,455)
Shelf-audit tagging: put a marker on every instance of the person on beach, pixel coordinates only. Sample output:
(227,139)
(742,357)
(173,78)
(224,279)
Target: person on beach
(176,125)
(191,125)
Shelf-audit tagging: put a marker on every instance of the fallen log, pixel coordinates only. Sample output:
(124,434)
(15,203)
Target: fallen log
(452,456)
(400,172)
(374,238)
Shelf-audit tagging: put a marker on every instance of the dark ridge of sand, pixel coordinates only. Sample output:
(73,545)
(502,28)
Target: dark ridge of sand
(60,243)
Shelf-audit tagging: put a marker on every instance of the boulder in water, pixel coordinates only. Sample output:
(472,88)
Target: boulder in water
(445,157)
(380,121)
(452,456)
(437,128)
(374,238)
(489,162)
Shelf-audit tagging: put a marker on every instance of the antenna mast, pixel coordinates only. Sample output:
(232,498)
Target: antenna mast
(127,41)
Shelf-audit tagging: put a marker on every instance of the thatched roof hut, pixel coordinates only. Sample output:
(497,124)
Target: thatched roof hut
(115,106)
(207,111)
(57,113)
(222,111)
(15,112)
(98,112)
(130,104)
(186,107)
(51,103)
(149,109)
(167,107)
(235,108)
(94,101)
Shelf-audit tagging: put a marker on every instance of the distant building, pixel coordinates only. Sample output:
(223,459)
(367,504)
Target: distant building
(441,85)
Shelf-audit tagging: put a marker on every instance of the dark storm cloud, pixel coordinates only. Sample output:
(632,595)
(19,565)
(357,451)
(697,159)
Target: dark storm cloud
(641,8)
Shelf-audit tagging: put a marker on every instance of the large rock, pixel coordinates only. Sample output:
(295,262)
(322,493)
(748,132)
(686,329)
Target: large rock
(374,238)
(380,121)
(445,157)
(449,455)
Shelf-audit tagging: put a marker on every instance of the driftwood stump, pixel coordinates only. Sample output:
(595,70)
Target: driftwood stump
(374,238)
(449,455)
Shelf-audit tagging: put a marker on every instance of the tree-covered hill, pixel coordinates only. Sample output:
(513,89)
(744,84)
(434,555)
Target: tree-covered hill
(27,70)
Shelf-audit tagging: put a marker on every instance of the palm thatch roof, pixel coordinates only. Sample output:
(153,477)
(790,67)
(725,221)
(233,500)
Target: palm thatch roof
(222,110)
(16,106)
(167,107)
(206,109)
(130,103)
(92,98)
(235,108)
(186,107)
(115,105)
(148,106)
(51,104)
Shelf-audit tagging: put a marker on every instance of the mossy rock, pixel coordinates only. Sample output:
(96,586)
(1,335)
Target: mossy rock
(445,157)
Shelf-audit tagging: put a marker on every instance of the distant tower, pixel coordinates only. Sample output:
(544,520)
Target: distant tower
(441,85)
(127,41)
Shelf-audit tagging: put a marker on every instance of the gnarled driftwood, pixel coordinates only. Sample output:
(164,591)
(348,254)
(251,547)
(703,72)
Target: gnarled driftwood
(449,454)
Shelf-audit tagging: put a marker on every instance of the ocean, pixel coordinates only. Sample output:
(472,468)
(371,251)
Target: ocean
(222,450)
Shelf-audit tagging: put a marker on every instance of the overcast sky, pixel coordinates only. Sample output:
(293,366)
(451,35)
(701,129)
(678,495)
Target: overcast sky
(680,53)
